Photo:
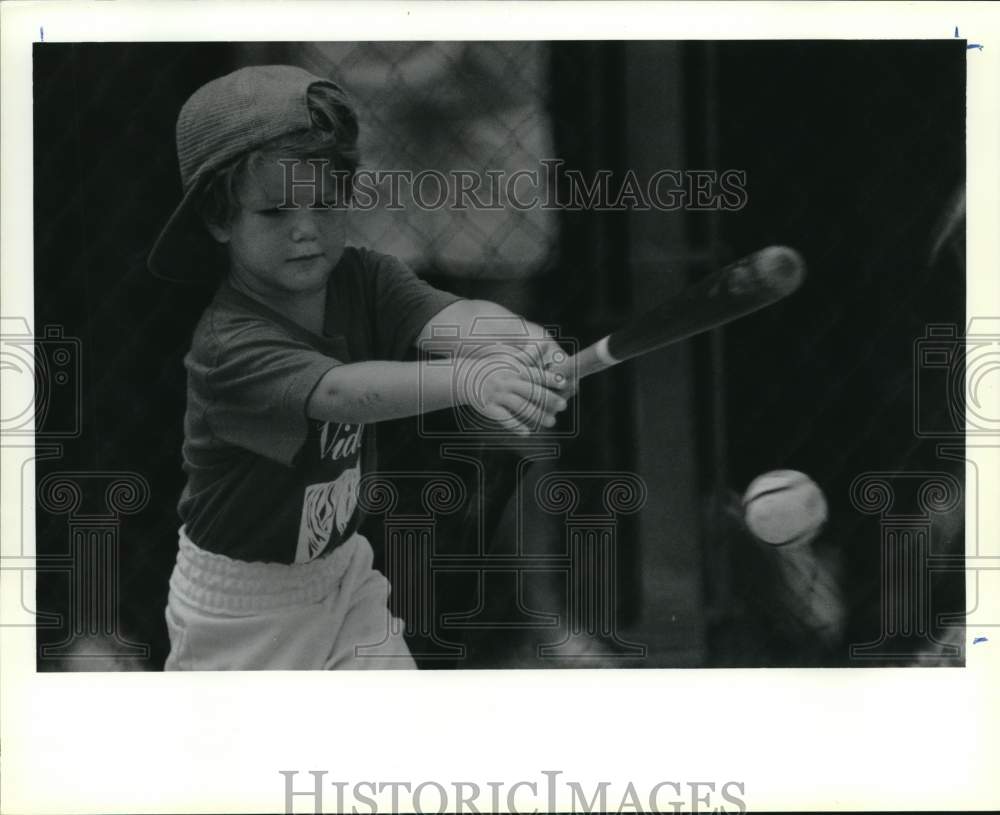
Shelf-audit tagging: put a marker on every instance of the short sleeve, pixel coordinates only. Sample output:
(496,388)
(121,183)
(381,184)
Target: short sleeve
(258,383)
(403,303)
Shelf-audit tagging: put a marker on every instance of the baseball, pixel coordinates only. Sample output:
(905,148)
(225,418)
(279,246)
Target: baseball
(784,508)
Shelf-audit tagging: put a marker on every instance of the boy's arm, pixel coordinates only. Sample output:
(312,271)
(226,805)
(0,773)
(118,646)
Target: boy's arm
(376,391)
(483,319)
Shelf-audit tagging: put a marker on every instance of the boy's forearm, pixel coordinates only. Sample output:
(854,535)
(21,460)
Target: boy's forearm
(516,325)
(363,392)
(462,317)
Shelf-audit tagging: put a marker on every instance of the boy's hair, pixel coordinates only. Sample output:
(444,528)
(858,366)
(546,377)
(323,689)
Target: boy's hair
(332,139)
(225,129)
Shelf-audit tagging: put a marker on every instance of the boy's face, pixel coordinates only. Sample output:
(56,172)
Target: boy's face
(279,252)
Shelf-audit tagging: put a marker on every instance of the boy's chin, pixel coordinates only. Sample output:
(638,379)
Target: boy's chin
(311,269)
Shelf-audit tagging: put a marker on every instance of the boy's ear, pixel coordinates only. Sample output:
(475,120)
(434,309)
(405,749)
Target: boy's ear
(220,232)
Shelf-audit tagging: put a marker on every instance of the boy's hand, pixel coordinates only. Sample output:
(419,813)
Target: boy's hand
(550,354)
(508,385)
(547,353)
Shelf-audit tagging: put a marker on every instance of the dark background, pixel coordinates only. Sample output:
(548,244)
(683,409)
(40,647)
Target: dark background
(851,149)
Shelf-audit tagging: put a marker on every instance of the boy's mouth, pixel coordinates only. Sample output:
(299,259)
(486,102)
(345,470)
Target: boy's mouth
(312,256)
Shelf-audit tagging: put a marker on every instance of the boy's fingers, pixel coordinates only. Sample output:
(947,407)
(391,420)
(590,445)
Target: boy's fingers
(537,354)
(553,354)
(534,414)
(541,397)
(508,421)
(525,355)
(527,362)
(506,356)
(554,379)
(518,406)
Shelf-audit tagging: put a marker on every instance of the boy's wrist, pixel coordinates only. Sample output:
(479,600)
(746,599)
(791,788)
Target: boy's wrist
(441,386)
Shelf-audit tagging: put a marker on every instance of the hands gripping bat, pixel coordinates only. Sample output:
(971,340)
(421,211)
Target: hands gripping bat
(756,281)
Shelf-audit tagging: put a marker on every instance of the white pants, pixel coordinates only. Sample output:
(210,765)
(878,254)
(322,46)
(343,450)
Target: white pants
(225,614)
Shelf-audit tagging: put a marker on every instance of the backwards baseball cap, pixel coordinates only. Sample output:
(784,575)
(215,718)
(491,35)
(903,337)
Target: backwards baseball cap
(223,119)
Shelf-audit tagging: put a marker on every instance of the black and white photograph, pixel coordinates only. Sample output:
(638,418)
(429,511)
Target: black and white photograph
(782,284)
(619,359)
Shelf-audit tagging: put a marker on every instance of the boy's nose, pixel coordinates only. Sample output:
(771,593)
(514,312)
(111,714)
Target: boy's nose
(304,224)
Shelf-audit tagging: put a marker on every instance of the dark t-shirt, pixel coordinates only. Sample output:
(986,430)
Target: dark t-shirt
(265,483)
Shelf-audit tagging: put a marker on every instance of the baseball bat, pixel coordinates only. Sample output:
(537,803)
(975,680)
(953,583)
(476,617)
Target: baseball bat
(741,288)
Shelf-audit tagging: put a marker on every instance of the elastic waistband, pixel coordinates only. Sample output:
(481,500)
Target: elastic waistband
(214,582)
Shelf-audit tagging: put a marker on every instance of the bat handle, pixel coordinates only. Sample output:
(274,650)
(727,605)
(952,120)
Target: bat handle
(590,360)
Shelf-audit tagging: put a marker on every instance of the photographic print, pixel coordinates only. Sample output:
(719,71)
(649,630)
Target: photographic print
(772,234)
(508,409)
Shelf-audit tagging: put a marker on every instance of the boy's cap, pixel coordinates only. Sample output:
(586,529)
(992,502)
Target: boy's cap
(221,120)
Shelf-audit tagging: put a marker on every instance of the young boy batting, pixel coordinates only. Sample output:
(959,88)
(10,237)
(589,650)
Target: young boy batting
(300,352)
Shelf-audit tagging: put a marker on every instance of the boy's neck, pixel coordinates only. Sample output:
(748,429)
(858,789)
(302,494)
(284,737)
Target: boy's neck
(307,309)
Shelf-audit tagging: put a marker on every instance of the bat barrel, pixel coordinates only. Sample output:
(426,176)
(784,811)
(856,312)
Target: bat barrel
(781,268)
(739,289)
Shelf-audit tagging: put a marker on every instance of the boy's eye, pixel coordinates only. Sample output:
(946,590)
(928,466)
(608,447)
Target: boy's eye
(272,211)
